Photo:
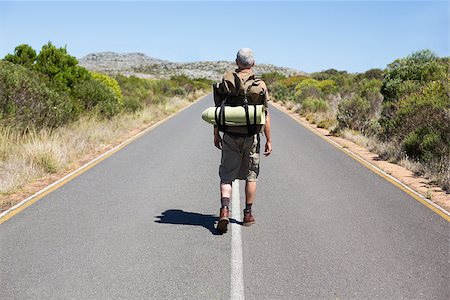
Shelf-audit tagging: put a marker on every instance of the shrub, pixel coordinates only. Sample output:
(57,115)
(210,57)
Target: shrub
(314,105)
(371,74)
(327,86)
(109,82)
(202,84)
(96,97)
(280,91)
(344,82)
(307,91)
(272,77)
(373,128)
(28,100)
(423,122)
(329,124)
(138,92)
(421,66)
(370,90)
(353,113)
(23,55)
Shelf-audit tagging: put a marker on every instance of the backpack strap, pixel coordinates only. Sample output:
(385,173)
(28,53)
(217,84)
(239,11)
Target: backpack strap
(220,115)
(251,128)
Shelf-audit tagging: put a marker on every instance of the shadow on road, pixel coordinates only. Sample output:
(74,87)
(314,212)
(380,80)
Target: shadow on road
(180,217)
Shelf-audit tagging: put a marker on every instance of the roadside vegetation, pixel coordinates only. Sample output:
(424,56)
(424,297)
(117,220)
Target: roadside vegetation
(54,113)
(401,113)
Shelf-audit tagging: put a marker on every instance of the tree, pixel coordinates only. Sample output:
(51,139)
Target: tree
(23,55)
(61,67)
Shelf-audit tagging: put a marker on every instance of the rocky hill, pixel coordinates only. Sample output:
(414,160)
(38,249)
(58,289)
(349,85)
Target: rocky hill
(141,65)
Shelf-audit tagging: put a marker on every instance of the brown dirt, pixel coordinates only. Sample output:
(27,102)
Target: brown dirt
(418,183)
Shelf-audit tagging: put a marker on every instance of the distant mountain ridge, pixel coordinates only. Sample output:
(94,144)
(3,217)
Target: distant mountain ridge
(141,65)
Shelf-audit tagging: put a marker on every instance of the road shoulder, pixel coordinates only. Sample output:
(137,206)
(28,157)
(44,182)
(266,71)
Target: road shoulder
(420,185)
(34,191)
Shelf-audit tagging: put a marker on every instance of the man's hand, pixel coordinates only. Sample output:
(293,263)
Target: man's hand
(268,148)
(217,141)
(217,138)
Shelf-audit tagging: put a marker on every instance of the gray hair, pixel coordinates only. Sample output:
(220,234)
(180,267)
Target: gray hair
(245,57)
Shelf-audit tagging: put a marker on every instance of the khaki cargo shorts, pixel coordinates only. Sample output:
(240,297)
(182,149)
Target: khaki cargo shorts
(240,158)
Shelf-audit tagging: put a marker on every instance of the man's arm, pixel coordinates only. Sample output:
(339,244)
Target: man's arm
(217,138)
(268,147)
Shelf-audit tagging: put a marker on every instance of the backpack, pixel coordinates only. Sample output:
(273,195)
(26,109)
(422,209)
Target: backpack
(238,91)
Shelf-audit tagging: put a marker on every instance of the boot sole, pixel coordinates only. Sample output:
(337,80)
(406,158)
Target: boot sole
(222,225)
(247,224)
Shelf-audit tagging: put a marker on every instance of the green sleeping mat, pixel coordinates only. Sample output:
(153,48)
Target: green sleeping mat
(235,116)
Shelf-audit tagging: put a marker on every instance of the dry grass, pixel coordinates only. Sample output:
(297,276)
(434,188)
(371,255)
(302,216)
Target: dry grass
(437,172)
(27,157)
(289,105)
(355,137)
(322,120)
(297,108)
(415,167)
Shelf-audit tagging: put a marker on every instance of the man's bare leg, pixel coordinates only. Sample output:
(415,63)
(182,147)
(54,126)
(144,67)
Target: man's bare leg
(225,194)
(250,192)
(225,190)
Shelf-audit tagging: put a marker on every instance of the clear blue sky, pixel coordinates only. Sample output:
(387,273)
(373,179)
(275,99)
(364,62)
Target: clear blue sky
(306,35)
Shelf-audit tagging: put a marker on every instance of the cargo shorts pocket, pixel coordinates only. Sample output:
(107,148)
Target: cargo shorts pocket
(253,163)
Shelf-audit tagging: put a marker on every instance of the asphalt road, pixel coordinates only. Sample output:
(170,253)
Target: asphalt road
(141,225)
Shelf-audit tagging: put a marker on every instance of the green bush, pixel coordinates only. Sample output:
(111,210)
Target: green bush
(96,97)
(423,122)
(272,77)
(353,113)
(202,84)
(23,55)
(50,89)
(314,105)
(109,82)
(132,105)
(327,124)
(343,81)
(425,144)
(416,106)
(188,85)
(371,74)
(373,128)
(138,92)
(369,89)
(307,88)
(27,99)
(419,67)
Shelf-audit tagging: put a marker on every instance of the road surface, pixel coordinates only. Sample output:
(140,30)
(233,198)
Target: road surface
(141,225)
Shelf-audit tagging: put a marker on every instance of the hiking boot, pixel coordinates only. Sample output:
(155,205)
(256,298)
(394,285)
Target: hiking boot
(223,220)
(248,218)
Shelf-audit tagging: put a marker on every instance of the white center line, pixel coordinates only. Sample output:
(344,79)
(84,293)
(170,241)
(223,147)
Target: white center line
(237,274)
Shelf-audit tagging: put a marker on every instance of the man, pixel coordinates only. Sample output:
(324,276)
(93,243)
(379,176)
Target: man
(241,148)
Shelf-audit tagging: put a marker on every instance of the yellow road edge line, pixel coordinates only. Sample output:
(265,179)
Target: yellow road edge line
(21,206)
(434,207)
